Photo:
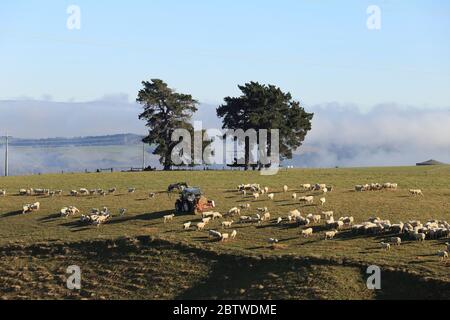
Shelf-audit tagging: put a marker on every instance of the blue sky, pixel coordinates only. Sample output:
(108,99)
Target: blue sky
(320,50)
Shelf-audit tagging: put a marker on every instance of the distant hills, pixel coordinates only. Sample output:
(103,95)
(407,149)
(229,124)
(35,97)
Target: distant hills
(108,140)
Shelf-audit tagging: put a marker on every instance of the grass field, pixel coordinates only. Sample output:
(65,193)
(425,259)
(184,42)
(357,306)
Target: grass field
(169,263)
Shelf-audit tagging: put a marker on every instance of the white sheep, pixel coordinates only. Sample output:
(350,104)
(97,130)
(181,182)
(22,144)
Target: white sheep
(227,224)
(265,217)
(280,220)
(84,191)
(330,235)
(216,215)
(168,218)
(131,190)
(294,196)
(201,226)
(285,189)
(385,246)
(443,255)
(206,220)
(187,225)
(3,193)
(271,196)
(215,234)
(256,196)
(272,241)
(328,214)
(307,232)
(266,189)
(416,192)
(234,211)
(233,234)
(323,201)
(225,237)
(396,241)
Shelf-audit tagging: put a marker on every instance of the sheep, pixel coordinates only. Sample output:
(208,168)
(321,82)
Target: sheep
(201,226)
(152,195)
(93,192)
(233,234)
(306,186)
(263,210)
(245,206)
(23,192)
(244,219)
(418,236)
(84,191)
(256,196)
(330,235)
(225,237)
(348,221)
(112,190)
(385,246)
(328,214)
(265,217)
(308,200)
(272,241)
(285,189)
(294,196)
(279,220)
(74,193)
(317,218)
(122,212)
(187,225)
(206,220)
(323,201)
(131,190)
(308,232)
(214,234)
(396,241)
(271,196)
(416,192)
(266,189)
(443,255)
(227,224)
(168,218)
(234,211)
(101,220)
(3,193)
(216,215)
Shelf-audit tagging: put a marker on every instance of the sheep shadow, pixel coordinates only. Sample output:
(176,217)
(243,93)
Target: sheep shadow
(11,214)
(50,218)
(142,217)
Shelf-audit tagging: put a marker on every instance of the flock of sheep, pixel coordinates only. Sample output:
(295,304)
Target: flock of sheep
(393,233)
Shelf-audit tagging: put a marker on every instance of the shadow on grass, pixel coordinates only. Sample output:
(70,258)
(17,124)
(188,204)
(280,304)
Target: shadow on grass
(11,214)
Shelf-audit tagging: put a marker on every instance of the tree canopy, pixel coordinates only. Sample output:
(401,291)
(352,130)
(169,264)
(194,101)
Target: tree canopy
(267,107)
(164,111)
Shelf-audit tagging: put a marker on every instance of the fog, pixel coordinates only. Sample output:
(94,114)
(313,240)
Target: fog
(342,135)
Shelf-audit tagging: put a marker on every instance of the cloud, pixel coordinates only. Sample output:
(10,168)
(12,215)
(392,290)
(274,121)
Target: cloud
(387,134)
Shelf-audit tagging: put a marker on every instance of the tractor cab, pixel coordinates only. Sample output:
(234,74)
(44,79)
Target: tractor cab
(192,201)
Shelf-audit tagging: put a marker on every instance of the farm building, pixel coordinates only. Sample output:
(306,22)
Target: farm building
(430,163)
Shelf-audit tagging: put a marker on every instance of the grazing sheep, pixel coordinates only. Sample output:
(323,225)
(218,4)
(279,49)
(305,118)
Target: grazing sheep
(272,241)
(227,224)
(112,190)
(206,220)
(245,206)
(308,232)
(396,241)
(385,246)
(214,234)
(131,190)
(256,196)
(23,192)
(271,196)
(265,217)
(201,226)
(74,193)
(308,200)
(328,214)
(207,214)
(285,189)
(216,215)
(263,210)
(266,189)
(294,196)
(101,220)
(225,237)
(187,225)
(233,234)
(234,211)
(84,191)
(122,212)
(323,201)
(416,192)
(330,235)
(280,220)
(152,195)
(443,255)
(3,193)
(306,186)
(418,236)
(168,218)
(93,192)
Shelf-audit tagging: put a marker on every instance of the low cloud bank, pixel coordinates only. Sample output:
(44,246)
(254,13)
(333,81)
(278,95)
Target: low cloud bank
(342,135)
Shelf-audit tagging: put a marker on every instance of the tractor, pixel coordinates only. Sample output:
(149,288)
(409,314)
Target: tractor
(192,201)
